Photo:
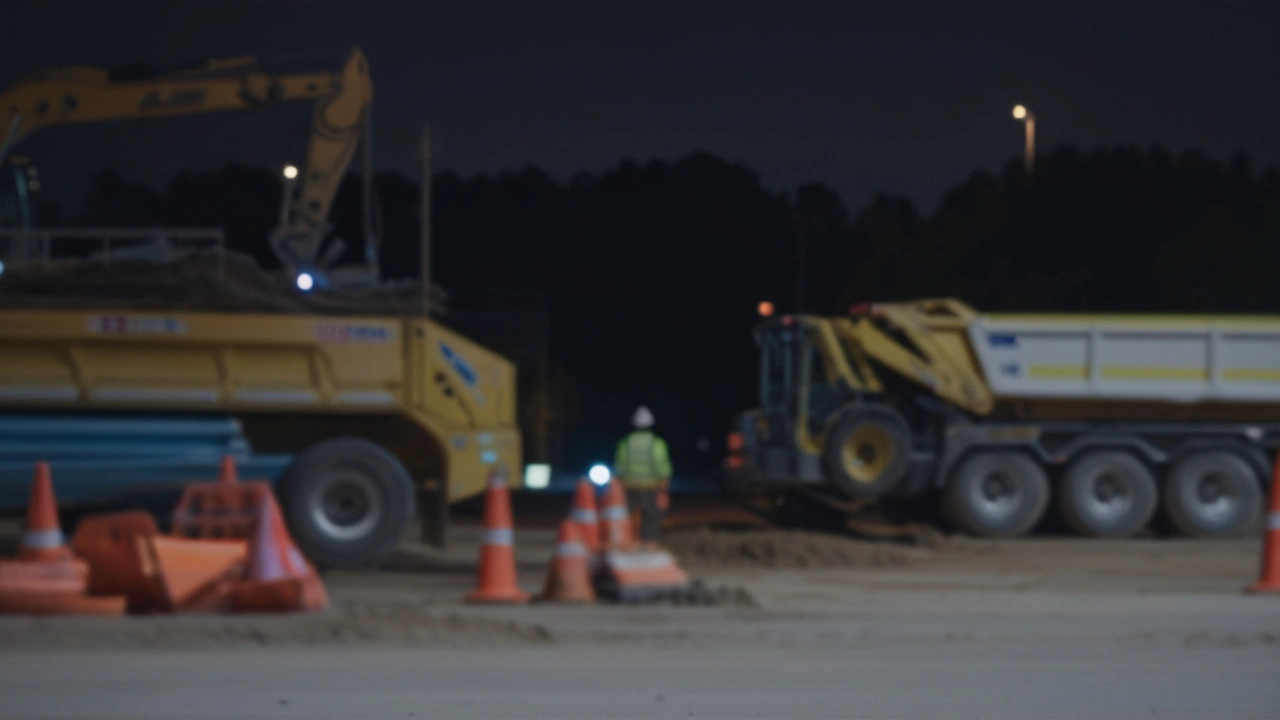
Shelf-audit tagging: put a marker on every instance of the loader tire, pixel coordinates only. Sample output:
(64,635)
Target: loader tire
(997,493)
(869,451)
(347,502)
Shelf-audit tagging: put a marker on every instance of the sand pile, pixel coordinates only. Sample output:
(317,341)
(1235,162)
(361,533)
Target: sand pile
(788,549)
(404,625)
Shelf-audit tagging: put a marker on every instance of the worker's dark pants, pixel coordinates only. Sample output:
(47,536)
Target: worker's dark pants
(646,501)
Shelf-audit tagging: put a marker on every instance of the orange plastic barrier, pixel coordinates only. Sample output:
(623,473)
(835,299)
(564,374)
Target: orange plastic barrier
(222,510)
(636,575)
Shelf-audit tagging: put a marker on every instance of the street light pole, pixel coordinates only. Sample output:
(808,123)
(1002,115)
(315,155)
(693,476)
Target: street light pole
(425,238)
(1028,119)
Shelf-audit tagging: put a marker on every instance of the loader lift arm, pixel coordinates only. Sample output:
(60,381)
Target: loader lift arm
(77,94)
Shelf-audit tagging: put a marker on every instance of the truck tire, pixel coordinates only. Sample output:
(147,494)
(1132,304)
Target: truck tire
(1212,493)
(868,451)
(347,502)
(1108,493)
(997,493)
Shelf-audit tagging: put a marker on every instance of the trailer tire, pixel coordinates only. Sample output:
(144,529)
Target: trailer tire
(1212,493)
(1108,493)
(997,493)
(347,502)
(869,451)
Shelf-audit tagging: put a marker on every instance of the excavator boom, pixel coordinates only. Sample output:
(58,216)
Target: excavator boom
(76,94)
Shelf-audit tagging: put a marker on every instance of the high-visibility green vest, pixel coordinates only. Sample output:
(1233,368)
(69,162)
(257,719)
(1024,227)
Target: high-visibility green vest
(642,460)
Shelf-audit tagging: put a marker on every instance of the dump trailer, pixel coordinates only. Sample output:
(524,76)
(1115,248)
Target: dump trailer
(359,421)
(1115,419)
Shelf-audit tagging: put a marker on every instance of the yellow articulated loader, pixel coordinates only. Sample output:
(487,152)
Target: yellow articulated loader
(1112,418)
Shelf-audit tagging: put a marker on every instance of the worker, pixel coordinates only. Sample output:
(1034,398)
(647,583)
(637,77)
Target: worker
(644,467)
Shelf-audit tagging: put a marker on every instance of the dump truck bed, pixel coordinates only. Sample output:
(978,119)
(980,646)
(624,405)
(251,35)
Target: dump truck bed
(286,368)
(1169,358)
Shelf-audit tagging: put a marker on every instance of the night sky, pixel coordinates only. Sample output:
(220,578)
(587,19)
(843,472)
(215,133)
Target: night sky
(908,99)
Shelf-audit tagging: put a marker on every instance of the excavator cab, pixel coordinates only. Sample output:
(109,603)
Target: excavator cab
(15,194)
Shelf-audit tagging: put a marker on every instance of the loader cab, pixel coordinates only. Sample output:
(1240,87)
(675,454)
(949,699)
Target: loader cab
(797,394)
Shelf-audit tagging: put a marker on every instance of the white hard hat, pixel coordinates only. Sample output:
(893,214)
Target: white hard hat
(643,418)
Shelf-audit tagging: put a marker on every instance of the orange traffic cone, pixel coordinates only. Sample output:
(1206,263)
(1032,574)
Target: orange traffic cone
(568,579)
(42,538)
(46,578)
(496,581)
(617,523)
(1269,579)
(583,514)
(280,579)
(227,474)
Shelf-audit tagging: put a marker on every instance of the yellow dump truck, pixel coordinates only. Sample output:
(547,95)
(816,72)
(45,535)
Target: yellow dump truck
(372,416)
(998,416)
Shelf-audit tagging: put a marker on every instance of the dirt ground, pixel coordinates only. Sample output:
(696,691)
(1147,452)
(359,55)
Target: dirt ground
(791,625)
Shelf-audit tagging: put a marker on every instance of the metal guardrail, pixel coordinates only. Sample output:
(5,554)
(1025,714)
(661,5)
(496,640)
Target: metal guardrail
(154,244)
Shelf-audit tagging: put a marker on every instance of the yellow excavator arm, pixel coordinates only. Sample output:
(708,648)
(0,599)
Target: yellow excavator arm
(75,94)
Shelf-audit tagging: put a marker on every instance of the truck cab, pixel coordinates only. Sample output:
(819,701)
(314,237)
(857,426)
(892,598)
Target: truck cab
(1109,419)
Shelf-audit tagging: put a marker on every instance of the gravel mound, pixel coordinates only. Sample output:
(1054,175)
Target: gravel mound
(196,282)
(405,625)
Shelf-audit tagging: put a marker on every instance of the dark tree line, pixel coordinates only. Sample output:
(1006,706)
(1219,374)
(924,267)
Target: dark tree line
(652,272)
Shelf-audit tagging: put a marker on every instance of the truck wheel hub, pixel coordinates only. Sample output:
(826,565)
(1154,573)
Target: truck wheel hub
(1111,496)
(1216,497)
(345,506)
(1211,489)
(997,488)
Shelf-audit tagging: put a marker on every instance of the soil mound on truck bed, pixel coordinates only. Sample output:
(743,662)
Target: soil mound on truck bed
(196,282)
(776,548)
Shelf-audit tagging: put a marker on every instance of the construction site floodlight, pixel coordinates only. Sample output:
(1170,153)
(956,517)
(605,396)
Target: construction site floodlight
(599,474)
(537,476)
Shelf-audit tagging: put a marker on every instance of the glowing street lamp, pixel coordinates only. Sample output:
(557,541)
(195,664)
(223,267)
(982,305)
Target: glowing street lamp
(290,173)
(765,308)
(1028,119)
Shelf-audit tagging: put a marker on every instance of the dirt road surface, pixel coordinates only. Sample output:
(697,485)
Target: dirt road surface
(791,626)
